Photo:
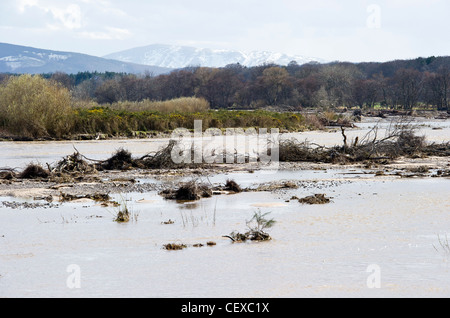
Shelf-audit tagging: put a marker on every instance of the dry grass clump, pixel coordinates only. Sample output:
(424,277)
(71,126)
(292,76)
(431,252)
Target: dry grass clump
(328,118)
(315,199)
(177,105)
(123,216)
(174,247)
(439,150)
(34,171)
(232,186)
(121,160)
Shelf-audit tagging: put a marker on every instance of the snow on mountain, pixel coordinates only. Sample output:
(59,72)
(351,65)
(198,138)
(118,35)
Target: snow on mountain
(22,59)
(31,60)
(173,56)
(156,59)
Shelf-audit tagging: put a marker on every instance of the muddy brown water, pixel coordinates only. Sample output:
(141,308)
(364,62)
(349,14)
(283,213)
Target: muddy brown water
(397,226)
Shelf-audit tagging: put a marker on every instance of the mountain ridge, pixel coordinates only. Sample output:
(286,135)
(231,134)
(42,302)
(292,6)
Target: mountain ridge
(27,59)
(176,56)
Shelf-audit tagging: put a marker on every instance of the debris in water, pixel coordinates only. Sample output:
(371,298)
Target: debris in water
(232,186)
(256,227)
(190,191)
(174,247)
(33,171)
(315,199)
(98,197)
(121,160)
(74,163)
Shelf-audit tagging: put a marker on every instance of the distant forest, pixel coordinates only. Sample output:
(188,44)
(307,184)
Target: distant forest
(401,84)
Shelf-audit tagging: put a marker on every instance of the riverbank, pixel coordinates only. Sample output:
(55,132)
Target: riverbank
(103,123)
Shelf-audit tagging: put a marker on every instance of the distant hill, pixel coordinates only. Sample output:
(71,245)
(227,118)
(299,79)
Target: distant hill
(23,59)
(173,56)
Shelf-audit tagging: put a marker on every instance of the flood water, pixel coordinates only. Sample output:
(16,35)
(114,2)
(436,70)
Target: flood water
(399,226)
(19,154)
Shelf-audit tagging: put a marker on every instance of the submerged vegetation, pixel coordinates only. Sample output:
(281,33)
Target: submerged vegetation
(257,227)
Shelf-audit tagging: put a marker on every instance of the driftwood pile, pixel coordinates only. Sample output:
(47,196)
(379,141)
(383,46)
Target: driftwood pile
(73,164)
(314,199)
(400,140)
(77,165)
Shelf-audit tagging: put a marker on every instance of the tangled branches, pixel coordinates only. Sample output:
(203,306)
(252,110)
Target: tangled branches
(399,140)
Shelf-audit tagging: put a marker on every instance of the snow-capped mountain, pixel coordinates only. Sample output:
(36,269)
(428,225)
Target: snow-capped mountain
(173,56)
(21,59)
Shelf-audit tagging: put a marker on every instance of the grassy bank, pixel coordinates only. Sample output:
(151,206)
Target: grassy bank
(115,122)
(34,108)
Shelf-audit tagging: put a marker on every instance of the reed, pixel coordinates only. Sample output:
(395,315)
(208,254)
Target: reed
(183,104)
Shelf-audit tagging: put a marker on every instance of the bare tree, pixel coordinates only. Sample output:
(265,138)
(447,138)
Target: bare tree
(408,87)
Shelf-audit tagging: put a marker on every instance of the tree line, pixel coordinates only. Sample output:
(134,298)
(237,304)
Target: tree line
(401,84)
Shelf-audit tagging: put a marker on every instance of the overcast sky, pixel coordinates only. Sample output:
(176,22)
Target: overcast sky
(345,30)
